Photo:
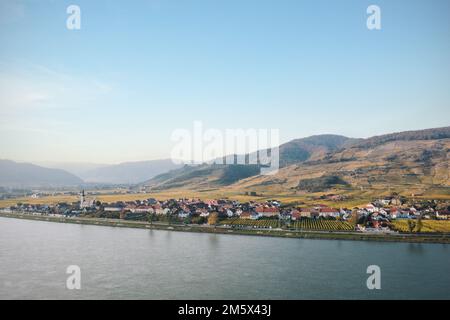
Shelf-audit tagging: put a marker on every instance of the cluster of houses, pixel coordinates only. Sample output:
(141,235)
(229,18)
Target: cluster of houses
(378,211)
(394,210)
(185,208)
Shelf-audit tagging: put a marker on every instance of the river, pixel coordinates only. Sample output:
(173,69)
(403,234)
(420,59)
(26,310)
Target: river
(122,263)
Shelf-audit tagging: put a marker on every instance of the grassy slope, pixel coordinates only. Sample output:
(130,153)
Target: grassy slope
(395,166)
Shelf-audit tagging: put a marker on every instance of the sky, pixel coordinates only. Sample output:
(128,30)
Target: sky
(116,89)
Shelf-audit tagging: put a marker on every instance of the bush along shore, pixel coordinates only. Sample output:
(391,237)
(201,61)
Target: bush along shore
(276,232)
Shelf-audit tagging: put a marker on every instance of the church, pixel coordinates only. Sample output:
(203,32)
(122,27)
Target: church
(86,202)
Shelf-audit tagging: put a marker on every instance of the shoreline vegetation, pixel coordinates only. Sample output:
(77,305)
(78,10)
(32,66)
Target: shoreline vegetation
(277,232)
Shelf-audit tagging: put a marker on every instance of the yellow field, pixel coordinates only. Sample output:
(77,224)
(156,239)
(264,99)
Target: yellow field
(427,225)
(285,198)
(356,197)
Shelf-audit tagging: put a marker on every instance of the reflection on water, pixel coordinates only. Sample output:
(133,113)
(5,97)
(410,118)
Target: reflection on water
(121,263)
(416,248)
(213,241)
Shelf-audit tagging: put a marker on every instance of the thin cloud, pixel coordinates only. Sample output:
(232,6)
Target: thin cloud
(39,86)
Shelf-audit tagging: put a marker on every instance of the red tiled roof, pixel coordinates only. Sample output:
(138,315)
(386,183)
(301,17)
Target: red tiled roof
(328,210)
(308,210)
(266,209)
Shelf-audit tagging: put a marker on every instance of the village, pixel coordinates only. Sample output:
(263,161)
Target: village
(389,214)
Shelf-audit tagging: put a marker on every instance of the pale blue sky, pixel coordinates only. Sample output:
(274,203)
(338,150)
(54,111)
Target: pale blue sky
(137,70)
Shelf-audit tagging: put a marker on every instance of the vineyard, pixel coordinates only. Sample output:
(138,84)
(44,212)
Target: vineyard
(305,224)
(333,225)
(427,225)
(323,225)
(245,223)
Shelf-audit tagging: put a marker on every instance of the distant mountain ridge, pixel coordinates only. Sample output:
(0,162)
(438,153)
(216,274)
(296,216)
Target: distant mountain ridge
(317,162)
(426,134)
(214,175)
(203,176)
(299,150)
(76,168)
(411,158)
(312,147)
(15,174)
(129,172)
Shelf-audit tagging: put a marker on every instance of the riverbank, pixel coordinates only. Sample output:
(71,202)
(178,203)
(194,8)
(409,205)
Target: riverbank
(329,235)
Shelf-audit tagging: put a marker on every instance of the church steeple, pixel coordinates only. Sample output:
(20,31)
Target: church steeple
(82,199)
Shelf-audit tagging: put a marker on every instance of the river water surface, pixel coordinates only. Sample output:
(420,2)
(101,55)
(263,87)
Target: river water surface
(121,263)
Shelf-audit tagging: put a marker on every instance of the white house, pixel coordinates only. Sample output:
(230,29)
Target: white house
(204,214)
(112,209)
(183,214)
